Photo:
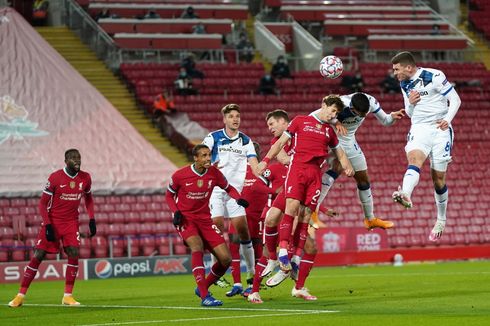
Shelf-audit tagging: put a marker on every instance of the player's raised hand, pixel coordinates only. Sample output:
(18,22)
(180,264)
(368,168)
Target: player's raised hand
(414,97)
(397,115)
(178,219)
(340,128)
(442,124)
(242,202)
(92,227)
(50,233)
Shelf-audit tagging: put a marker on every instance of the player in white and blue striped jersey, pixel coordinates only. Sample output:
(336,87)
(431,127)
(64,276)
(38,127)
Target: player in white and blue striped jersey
(230,151)
(432,103)
(357,107)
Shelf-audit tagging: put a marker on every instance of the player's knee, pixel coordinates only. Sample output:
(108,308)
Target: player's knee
(234,238)
(39,254)
(363,186)
(225,260)
(310,248)
(71,252)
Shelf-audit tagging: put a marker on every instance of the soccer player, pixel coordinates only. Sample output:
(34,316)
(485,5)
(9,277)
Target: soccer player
(188,195)
(58,207)
(312,137)
(230,151)
(426,93)
(357,107)
(256,191)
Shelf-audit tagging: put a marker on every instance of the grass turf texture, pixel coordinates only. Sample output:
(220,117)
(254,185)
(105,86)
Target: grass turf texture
(456,293)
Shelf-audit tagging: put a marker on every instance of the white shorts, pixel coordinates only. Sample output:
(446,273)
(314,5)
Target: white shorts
(355,155)
(221,204)
(435,143)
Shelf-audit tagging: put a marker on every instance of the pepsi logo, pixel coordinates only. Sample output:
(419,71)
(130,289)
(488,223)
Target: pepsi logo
(103,269)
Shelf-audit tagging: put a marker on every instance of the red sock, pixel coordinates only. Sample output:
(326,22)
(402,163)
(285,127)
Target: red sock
(304,269)
(300,235)
(198,272)
(271,241)
(217,270)
(235,262)
(259,268)
(258,248)
(285,229)
(29,274)
(71,274)
(291,249)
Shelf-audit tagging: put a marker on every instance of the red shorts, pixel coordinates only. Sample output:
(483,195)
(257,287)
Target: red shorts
(209,233)
(255,227)
(66,232)
(304,182)
(280,202)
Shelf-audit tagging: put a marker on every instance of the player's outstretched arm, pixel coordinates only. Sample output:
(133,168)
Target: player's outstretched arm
(344,161)
(272,153)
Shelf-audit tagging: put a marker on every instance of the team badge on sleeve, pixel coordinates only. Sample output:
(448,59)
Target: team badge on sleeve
(267,173)
(48,184)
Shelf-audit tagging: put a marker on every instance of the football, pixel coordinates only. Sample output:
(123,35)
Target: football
(331,67)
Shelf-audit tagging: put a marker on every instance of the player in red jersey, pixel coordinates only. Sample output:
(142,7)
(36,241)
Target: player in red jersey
(256,191)
(312,138)
(58,207)
(188,196)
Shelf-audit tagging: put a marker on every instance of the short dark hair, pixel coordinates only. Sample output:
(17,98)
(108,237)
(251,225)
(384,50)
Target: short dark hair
(360,102)
(70,151)
(277,114)
(197,148)
(404,58)
(334,100)
(230,107)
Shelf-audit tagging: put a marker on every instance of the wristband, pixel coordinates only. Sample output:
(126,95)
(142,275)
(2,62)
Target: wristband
(266,160)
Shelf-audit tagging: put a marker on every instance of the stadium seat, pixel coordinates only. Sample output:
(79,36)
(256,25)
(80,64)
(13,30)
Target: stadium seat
(147,245)
(85,248)
(162,245)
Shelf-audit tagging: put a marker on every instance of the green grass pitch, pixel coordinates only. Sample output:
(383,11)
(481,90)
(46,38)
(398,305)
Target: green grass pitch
(456,293)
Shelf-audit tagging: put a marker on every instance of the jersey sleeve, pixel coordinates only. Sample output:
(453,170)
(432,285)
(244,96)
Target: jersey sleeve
(441,83)
(209,141)
(292,127)
(221,180)
(250,150)
(50,185)
(173,185)
(88,186)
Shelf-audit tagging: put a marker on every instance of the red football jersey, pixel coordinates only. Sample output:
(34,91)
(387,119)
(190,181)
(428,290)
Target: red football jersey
(311,138)
(66,193)
(256,191)
(193,190)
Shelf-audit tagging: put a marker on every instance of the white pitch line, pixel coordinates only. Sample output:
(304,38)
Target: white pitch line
(400,274)
(182,308)
(207,318)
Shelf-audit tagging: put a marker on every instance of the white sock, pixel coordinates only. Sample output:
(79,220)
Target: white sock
(327,183)
(410,179)
(441,203)
(366,199)
(247,250)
